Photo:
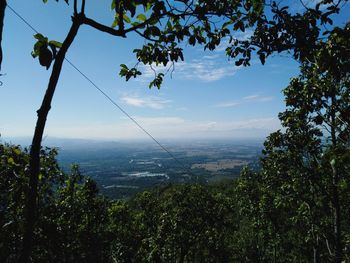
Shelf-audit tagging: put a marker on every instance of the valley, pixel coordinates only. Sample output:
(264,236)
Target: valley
(122,169)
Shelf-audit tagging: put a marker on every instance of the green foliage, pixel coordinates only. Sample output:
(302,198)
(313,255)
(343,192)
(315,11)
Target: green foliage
(189,224)
(13,184)
(128,73)
(165,24)
(298,197)
(41,50)
(71,215)
(75,224)
(157,82)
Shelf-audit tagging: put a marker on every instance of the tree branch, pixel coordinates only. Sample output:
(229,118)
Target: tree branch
(2,15)
(75,7)
(83,7)
(146,37)
(103,28)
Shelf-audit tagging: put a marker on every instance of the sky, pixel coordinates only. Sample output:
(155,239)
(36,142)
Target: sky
(207,96)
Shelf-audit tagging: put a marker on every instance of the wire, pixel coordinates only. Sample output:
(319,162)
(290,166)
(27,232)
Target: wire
(127,114)
(111,100)
(20,17)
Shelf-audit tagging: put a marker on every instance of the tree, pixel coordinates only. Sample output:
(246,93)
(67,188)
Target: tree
(2,15)
(73,217)
(164,24)
(305,174)
(13,181)
(183,223)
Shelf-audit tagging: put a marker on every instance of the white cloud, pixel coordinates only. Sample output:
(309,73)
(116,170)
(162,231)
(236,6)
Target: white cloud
(247,99)
(258,98)
(145,102)
(206,69)
(211,56)
(242,36)
(150,121)
(227,104)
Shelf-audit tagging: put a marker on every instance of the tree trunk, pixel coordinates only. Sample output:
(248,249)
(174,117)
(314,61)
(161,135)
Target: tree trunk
(336,218)
(316,253)
(2,16)
(182,257)
(335,193)
(30,209)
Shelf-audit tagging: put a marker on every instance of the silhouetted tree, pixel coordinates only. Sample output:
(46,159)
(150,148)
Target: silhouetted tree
(2,16)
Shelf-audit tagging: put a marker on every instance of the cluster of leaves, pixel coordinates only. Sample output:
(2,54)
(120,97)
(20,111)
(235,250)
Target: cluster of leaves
(274,28)
(164,25)
(46,50)
(297,33)
(207,23)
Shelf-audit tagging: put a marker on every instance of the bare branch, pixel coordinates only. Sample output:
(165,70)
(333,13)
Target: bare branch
(75,7)
(146,37)
(103,28)
(83,7)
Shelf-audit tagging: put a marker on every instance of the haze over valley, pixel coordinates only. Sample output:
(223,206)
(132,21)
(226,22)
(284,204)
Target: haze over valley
(123,168)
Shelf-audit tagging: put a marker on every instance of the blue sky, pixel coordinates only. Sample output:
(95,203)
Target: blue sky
(207,96)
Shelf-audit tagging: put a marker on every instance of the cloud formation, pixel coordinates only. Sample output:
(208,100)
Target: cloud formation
(248,99)
(207,69)
(145,102)
(258,98)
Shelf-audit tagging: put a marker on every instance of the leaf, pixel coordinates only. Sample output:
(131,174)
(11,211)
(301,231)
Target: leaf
(115,22)
(10,161)
(123,70)
(45,57)
(135,23)
(126,18)
(262,58)
(113,4)
(141,17)
(181,56)
(192,40)
(17,151)
(40,37)
(148,6)
(155,31)
(239,62)
(132,9)
(55,43)
(123,66)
